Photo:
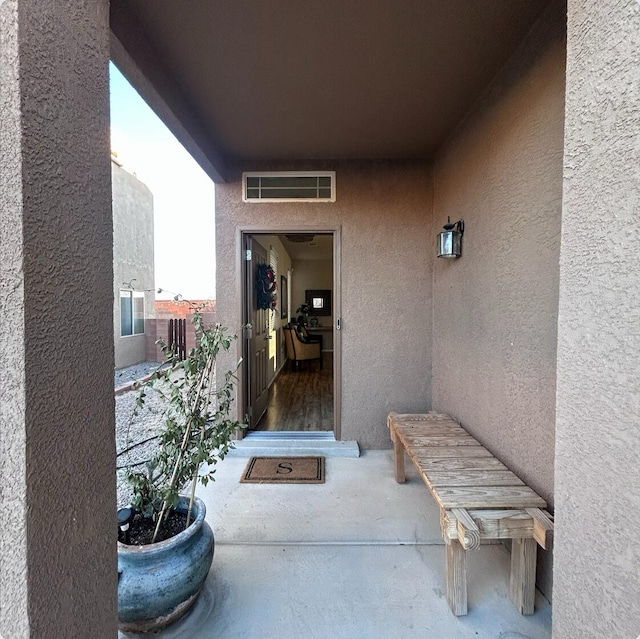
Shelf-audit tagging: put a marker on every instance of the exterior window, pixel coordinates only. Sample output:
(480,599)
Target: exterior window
(131,313)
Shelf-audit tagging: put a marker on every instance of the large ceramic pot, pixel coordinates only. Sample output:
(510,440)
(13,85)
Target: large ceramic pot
(158,583)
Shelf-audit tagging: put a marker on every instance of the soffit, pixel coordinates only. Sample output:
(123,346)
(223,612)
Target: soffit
(283,80)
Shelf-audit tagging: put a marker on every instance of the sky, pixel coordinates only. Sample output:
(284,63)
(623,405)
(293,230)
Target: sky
(183,194)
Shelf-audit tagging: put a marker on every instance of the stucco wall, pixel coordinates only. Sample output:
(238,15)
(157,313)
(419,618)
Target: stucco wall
(57,448)
(384,209)
(597,558)
(495,308)
(14,594)
(133,258)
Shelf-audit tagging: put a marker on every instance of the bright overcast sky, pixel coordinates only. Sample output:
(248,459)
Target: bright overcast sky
(183,195)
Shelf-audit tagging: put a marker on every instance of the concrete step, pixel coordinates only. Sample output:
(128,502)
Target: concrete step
(294,444)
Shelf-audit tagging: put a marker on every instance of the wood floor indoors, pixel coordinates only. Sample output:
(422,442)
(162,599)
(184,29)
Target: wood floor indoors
(302,399)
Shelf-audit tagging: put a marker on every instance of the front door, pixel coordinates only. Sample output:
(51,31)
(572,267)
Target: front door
(258,336)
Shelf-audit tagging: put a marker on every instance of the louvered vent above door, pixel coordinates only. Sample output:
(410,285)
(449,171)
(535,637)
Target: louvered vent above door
(294,186)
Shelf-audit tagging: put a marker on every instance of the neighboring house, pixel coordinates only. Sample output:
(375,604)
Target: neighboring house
(133,267)
(521,118)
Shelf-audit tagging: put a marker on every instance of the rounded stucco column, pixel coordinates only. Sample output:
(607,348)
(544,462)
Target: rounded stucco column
(57,478)
(597,558)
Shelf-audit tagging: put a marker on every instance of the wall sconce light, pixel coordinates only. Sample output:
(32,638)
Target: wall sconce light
(450,240)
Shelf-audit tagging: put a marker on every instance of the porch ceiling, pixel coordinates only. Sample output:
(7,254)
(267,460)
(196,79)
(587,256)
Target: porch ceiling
(283,80)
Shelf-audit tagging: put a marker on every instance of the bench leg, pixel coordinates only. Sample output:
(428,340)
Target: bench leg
(522,589)
(398,458)
(456,578)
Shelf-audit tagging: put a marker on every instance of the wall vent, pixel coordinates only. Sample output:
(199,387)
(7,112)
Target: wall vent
(293,186)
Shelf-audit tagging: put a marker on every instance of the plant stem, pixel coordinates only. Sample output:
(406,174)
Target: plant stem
(183,447)
(144,441)
(209,369)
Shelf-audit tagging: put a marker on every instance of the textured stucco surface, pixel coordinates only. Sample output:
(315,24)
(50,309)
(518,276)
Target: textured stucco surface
(133,258)
(495,308)
(384,211)
(13,550)
(58,572)
(597,558)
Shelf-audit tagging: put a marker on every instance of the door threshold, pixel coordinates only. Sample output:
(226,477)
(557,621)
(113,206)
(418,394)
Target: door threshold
(312,435)
(280,443)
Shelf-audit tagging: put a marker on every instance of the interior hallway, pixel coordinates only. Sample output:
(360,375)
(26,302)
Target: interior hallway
(301,399)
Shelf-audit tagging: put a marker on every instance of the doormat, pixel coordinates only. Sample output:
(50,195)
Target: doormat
(288,470)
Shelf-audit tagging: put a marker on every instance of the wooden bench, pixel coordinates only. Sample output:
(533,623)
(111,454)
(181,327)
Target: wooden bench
(480,499)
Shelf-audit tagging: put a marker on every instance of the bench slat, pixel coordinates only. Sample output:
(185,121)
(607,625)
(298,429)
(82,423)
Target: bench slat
(488,497)
(448,452)
(425,441)
(437,464)
(399,418)
(432,429)
(474,478)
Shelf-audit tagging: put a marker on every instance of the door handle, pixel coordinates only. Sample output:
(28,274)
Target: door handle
(268,336)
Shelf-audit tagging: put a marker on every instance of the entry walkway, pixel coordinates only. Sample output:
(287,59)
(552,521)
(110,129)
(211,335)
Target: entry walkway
(359,557)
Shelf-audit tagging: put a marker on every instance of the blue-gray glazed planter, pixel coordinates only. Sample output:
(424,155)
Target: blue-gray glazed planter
(158,583)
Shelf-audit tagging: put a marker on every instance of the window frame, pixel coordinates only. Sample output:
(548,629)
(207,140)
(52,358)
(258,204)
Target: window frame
(132,295)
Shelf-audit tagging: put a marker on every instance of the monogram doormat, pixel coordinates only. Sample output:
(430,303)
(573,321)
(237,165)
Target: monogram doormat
(287,470)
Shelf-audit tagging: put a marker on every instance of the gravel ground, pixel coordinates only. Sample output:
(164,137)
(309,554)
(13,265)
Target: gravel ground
(132,373)
(132,428)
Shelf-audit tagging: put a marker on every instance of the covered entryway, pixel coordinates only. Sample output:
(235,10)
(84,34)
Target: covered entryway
(475,91)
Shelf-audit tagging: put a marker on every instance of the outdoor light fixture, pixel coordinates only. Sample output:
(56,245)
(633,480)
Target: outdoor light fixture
(450,240)
(125,517)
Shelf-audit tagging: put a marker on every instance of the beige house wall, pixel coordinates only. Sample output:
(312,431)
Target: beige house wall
(384,212)
(495,308)
(597,558)
(133,258)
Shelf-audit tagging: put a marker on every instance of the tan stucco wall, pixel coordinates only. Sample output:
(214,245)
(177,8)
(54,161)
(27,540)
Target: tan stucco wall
(495,308)
(133,258)
(57,449)
(383,209)
(597,558)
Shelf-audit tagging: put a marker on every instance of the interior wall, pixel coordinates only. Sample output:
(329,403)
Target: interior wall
(276,352)
(311,275)
(383,209)
(495,308)
(597,560)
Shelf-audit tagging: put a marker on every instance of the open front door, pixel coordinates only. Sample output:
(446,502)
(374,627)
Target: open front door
(258,336)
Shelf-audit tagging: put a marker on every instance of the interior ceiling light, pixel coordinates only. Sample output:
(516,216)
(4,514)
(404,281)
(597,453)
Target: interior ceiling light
(299,239)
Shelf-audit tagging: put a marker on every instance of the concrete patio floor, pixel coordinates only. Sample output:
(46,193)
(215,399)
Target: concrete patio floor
(357,557)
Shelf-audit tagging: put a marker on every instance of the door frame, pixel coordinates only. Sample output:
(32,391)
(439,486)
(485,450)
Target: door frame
(336,232)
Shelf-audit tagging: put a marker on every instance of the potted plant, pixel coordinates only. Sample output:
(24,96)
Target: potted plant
(303,310)
(165,546)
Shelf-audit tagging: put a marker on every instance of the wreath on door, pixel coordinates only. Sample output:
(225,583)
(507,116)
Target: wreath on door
(266,287)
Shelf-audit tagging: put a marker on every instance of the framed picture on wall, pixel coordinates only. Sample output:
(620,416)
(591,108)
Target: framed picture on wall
(319,301)
(284,311)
